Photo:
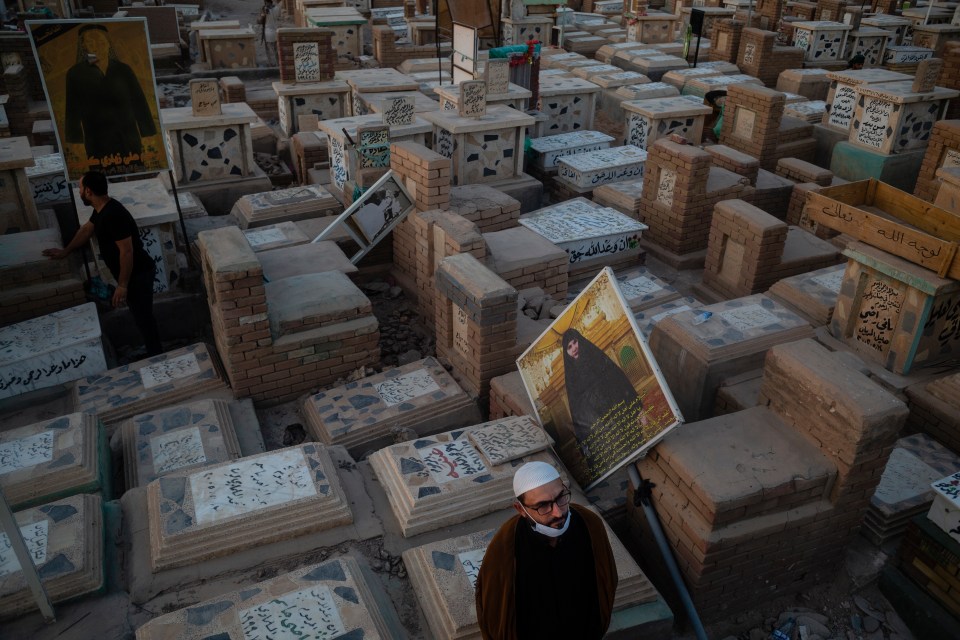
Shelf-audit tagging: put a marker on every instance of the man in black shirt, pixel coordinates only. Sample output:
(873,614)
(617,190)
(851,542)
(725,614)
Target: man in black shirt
(122,251)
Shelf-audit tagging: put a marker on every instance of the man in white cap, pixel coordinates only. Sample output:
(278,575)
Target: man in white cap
(549,571)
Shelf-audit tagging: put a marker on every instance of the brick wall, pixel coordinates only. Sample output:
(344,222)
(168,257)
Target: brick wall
(945,138)
(751,122)
(831,10)
(307,150)
(388,54)
(508,397)
(489,208)
(233,89)
(735,161)
(759,56)
(287,37)
(950,76)
(803,171)
(40,286)
(729,33)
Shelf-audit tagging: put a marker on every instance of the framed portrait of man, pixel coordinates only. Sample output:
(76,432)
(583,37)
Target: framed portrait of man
(595,386)
(99,82)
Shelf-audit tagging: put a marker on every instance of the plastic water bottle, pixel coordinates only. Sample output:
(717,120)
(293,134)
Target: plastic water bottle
(784,632)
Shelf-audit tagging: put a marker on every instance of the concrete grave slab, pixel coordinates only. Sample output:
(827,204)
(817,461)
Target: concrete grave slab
(293,204)
(810,295)
(304,259)
(643,290)
(648,318)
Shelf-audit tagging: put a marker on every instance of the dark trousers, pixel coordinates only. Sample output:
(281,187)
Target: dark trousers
(140,302)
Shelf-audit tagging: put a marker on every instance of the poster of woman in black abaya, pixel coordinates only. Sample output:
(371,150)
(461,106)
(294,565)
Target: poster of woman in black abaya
(98,77)
(595,385)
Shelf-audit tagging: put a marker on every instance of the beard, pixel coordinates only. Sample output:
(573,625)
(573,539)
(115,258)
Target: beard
(85,201)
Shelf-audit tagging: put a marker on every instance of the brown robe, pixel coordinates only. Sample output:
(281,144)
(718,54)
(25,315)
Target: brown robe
(495,597)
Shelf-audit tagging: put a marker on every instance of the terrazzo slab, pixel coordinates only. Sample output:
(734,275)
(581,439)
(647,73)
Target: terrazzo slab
(296,203)
(65,540)
(361,415)
(455,476)
(552,148)
(647,91)
(811,295)
(52,459)
(195,515)
(594,168)
(54,349)
(146,200)
(177,438)
(145,385)
(334,599)
(643,290)
(648,318)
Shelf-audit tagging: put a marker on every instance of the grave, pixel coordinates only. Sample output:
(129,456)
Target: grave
(213,155)
(459,475)
(51,350)
(323,100)
(733,340)
(283,234)
(652,28)
(18,211)
(586,171)
(935,409)
(655,66)
(935,36)
(643,290)
(513,96)
(524,259)
(375,81)
(346,24)
(147,385)
(904,491)
(396,107)
(177,437)
(365,414)
(53,459)
(701,86)
(842,96)
(485,206)
(943,153)
(519,30)
(761,56)
(549,149)
(228,48)
(612,98)
(871,43)
(593,237)
(811,295)
(337,598)
(905,58)
(568,102)
(811,111)
(66,542)
(897,117)
(197,515)
(307,86)
(945,510)
(822,41)
(679,77)
(508,397)
(812,83)
(258,210)
(649,120)
(648,319)
(48,180)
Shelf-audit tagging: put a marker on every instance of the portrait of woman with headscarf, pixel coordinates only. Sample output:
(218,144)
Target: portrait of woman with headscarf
(595,386)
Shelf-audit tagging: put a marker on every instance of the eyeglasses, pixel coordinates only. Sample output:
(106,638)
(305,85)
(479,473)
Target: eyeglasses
(545,508)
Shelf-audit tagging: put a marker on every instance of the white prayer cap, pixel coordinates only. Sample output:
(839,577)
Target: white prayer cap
(532,475)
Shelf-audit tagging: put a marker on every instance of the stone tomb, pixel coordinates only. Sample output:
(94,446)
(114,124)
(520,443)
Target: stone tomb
(904,490)
(375,81)
(48,180)
(811,111)
(197,515)
(870,43)
(176,438)
(811,295)
(679,77)
(205,97)
(50,350)
(589,170)
(935,409)
(812,83)
(519,30)
(842,96)
(484,149)
(396,107)
(515,96)
(346,24)
(149,384)
(593,237)
(652,28)
(51,459)
(895,312)
(894,24)
(275,236)
(648,318)
(228,48)
(444,575)
(650,120)
(335,599)
(695,358)
(18,211)
(642,290)
(701,86)
(945,510)
(569,103)
(459,475)
(894,118)
(66,542)
(325,100)
(821,40)
(550,149)
(905,56)
(364,415)
(290,205)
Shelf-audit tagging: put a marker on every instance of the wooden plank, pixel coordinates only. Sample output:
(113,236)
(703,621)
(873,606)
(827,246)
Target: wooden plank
(910,244)
(920,213)
(851,193)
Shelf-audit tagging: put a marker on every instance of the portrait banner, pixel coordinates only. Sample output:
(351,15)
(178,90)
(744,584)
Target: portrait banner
(99,82)
(595,386)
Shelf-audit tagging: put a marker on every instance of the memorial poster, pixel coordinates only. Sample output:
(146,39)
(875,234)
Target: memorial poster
(99,82)
(595,386)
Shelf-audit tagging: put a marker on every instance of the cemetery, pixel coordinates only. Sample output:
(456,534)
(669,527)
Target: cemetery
(700,258)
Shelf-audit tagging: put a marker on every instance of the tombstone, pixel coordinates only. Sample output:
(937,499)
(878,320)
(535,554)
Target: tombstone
(652,28)
(398,111)
(346,25)
(496,74)
(293,204)
(205,97)
(473,99)
(905,57)
(48,180)
(52,459)
(945,510)
(514,96)
(337,598)
(459,475)
(317,100)
(569,103)
(228,48)
(701,86)
(362,415)
(375,81)
(594,168)
(650,120)
(678,77)
(811,83)
(549,149)
(648,318)
(65,539)
(643,290)
(519,31)
(18,212)
(927,73)
(149,384)
(935,36)
(822,40)
(869,43)
(31,284)
(50,350)
(893,118)
(811,295)
(811,111)
(842,96)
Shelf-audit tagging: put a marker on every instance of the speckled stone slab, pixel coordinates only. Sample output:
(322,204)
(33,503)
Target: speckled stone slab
(65,539)
(459,475)
(643,290)
(444,575)
(297,203)
(334,599)
(177,438)
(196,515)
(52,459)
(361,415)
(648,318)
(810,295)
(904,490)
(147,384)
(53,349)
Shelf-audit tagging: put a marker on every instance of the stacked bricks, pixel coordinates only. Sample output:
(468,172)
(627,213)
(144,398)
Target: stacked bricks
(725,40)
(440,234)
(287,37)
(525,259)
(943,150)
(16,87)
(508,397)
(830,10)
(232,89)
(802,171)
(796,215)
(308,150)
(19,43)
(759,238)
(777,534)
(770,11)
(426,175)
(735,161)
(889,7)
(930,557)
(280,360)
(759,56)
(476,323)
(388,54)
(950,76)
(751,123)
(680,221)
(935,410)
(38,286)
(488,208)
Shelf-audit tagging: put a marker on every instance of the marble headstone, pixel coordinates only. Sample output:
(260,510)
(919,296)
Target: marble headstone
(205,96)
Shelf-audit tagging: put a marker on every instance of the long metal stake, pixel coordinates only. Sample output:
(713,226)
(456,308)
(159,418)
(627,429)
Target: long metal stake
(9,524)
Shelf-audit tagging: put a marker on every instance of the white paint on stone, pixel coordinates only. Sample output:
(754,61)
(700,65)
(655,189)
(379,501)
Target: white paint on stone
(35,539)
(404,388)
(309,614)
(449,461)
(831,281)
(260,237)
(168,370)
(26,452)
(177,449)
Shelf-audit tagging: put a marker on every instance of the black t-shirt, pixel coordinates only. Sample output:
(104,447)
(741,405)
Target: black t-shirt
(556,587)
(113,223)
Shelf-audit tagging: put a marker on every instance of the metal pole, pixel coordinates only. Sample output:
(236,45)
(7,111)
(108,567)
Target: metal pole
(9,524)
(183,225)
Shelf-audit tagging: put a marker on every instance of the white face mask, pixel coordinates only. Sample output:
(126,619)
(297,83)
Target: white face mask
(550,532)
